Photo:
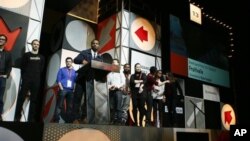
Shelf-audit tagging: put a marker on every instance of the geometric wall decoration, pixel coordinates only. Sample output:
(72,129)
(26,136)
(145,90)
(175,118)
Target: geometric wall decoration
(17,6)
(143,35)
(227,116)
(78,34)
(106,34)
(135,33)
(50,96)
(194,117)
(52,69)
(15,27)
(10,96)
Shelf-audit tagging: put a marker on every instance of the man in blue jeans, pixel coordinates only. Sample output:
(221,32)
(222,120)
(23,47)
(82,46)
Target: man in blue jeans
(5,69)
(66,78)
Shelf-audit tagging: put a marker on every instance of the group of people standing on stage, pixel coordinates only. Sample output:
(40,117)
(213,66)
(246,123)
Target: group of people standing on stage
(150,92)
(147,92)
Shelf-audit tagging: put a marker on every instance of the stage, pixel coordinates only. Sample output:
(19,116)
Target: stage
(88,132)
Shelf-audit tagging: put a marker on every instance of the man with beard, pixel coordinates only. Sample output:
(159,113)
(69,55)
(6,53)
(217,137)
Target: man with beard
(85,83)
(5,69)
(137,85)
(31,69)
(127,74)
(66,77)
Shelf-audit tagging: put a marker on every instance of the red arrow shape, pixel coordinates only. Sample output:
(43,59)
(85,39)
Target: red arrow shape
(142,34)
(11,35)
(228,117)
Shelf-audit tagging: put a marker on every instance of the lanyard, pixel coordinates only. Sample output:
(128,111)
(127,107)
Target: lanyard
(69,74)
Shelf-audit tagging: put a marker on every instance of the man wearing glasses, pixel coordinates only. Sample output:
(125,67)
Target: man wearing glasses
(5,69)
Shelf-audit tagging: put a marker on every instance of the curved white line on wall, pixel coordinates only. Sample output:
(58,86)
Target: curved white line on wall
(52,69)
(13,3)
(10,96)
(8,135)
(79,35)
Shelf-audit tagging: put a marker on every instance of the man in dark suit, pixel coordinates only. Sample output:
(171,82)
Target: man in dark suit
(85,83)
(5,69)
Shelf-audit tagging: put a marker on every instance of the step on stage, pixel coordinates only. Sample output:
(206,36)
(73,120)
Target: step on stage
(12,131)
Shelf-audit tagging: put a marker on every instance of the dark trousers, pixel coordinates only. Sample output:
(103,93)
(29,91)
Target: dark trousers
(172,103)
(62,95)
(149,103)
(32,86)
(119,104)
(2,89)
(138,102)
(79,110)
(158,110)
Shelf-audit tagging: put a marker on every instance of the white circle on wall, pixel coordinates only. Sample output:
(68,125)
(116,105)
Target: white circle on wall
(143,34)
(13,3)
(227,116)
(8,135)
(87,134)
(78,34)
(54,65)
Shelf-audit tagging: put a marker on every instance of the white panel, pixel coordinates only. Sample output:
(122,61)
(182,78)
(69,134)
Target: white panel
(10,96)
(52,69)
(77,33)
(34,30)
(9,135)
(192,116)
(158,48)
(68,53)
(125,37)
(25,113)
(117,53)
(36,11)
(145,60)
(211,93)
(195,14)
(124,55)
(125,19)
(118,38)
(118,20)
(158,32)
(17,6)
(158,63)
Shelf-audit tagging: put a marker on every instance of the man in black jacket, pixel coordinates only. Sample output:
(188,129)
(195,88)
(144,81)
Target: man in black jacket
(85,83)
(5,69)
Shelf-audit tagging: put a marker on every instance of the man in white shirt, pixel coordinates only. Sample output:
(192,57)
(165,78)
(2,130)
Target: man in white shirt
(118,98)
